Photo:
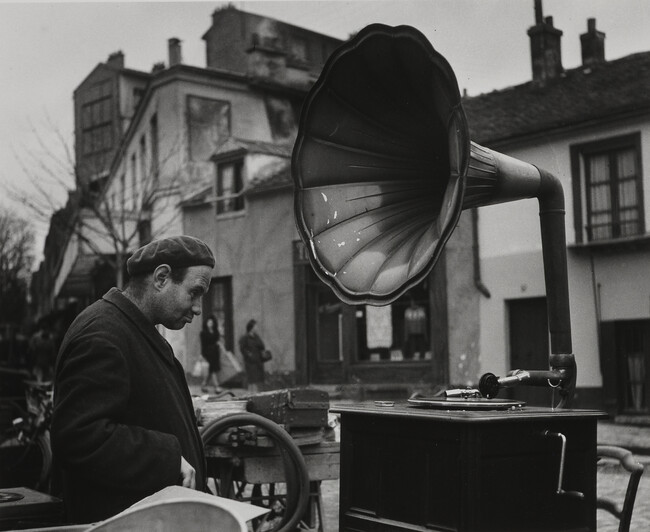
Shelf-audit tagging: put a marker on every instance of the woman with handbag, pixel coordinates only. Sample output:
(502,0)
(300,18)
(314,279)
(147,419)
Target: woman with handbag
(210,351)
(254,353)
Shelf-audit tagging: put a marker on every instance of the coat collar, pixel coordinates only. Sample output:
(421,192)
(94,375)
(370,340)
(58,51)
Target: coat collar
(115,297)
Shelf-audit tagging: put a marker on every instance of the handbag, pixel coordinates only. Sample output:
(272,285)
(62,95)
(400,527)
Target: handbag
(200,368)
(266,355)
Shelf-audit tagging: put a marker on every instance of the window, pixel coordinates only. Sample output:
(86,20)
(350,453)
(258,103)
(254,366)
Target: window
(608,189)
(144,232)
(218,303)
(625,359)
(131,193)
(396,332)
(122,191)
(153,165)
(138,94)
(209,126)
(281,118)
(96,116)
(229,187)
(144,176)
(298,49)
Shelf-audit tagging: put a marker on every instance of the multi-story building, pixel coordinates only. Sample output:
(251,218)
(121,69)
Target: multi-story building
(146,141)
(104,105)
(485,302)
(207,152)
(589,126)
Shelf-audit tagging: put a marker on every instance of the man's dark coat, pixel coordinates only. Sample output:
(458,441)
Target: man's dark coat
(123,414)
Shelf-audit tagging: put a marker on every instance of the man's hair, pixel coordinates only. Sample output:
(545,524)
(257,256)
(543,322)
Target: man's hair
(137,283)
(178,275)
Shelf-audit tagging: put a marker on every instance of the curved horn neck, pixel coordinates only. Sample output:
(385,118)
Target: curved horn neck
(492,178)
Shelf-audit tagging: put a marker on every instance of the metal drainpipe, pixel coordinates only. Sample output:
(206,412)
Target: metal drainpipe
(478,282)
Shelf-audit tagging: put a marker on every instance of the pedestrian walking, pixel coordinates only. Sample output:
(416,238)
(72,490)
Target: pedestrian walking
(211,352)
(123,425)
(252,349)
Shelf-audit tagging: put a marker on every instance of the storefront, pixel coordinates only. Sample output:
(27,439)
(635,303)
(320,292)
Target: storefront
(340,343)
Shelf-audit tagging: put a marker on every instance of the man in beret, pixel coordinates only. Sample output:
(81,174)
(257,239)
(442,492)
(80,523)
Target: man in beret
(123,425)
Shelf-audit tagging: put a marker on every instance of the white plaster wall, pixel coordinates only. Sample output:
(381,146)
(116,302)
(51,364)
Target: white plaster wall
(462,305)
(254,248)
(179,174)
(511,260)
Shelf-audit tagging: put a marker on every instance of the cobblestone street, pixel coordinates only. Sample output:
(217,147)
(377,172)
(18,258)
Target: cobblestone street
(611,483)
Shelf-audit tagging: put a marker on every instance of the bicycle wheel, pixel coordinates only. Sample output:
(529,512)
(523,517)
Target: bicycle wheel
(45,448)
(287,500)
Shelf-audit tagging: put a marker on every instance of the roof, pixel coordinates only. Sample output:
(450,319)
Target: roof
(580,96)
(233,144)
(280,178)
(119,71)
(276,174)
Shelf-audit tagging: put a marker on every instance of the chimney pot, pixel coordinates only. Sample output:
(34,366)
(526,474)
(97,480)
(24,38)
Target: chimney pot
(545,50)
(174,48)
(592,45)
(116,60)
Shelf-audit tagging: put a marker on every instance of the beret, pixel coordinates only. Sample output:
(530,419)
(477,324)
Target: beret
(176,251)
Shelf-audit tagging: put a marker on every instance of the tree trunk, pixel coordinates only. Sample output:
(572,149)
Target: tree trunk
(119,268)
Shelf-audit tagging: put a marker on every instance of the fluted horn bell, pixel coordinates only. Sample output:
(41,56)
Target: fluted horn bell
(383,166)
(377,164)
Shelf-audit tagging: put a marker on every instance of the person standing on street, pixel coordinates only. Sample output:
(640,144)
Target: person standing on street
(252,347)
(123,424)
(211,352)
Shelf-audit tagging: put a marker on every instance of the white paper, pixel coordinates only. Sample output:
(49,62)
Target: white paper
(243,512)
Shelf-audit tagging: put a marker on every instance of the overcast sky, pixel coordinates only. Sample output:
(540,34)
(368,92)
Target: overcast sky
(49,47)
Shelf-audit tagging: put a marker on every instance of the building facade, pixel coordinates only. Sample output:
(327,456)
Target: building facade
(590,127)
(206,151)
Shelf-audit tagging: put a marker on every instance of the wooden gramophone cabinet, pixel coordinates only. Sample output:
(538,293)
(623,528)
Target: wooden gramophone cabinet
(406,468)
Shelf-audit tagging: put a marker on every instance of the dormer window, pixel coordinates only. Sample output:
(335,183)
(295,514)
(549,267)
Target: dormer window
(230,185)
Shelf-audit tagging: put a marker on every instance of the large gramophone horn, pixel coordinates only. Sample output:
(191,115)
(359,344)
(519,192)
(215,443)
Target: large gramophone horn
(383,166)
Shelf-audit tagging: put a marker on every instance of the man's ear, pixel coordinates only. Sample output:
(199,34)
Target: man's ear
(161,275)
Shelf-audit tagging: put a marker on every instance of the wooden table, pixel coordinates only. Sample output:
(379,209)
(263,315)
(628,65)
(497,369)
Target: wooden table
(263,465)
(407,468)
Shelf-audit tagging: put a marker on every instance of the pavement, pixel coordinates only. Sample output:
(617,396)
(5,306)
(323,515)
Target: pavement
(635,438)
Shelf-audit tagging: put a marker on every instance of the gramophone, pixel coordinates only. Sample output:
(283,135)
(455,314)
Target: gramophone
(383,167)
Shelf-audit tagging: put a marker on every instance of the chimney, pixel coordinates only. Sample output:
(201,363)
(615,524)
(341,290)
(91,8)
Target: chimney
(545,49)
(174,47)
(157,67)
(116,60)
(593,45)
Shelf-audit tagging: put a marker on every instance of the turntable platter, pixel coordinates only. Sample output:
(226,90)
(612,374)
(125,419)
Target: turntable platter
(465,403)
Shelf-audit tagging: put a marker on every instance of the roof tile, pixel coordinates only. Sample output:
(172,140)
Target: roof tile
(579,95)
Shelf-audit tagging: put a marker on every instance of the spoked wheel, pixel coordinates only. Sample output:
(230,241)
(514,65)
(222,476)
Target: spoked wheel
(30,465)
(287,499)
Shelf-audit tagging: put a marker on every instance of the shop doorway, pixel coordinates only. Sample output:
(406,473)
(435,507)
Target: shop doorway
(633,342)
(529,347)
(328,334)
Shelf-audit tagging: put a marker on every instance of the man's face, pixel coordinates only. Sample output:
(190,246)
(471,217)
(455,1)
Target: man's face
(180,302)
